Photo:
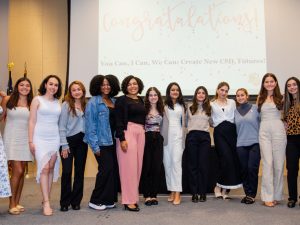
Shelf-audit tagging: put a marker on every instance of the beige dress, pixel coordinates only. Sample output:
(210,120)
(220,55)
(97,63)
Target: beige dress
(15,136)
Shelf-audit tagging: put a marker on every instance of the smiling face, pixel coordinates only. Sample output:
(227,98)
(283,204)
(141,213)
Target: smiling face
(174,92)
(153,97)
(223,92)
(201,95)
(24,88)
(105,87)
(51,86)
(270,84)
(292,87)
(76,91)
(133,87)
(241,97)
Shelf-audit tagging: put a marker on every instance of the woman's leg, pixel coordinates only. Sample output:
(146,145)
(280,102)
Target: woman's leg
(16,182)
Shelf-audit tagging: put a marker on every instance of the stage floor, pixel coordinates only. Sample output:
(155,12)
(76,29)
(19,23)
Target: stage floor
(211,212)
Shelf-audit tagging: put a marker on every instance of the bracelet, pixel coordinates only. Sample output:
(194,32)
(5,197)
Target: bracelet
(29,142)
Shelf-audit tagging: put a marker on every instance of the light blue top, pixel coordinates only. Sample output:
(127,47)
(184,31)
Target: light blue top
(69,124)
(97,126)
(247,127)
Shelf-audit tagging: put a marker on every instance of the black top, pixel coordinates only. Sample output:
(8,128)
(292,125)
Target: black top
(128,110)
(112,121)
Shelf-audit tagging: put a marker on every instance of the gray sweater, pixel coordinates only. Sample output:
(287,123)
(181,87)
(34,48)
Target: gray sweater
(69,125)
(247,127)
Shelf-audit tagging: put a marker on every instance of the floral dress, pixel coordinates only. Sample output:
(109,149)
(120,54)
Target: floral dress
(4,178)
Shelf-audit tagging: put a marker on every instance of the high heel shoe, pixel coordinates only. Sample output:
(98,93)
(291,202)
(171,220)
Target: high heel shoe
(136,209)
(47,210)
(171,197)
(269,204)
(291,204)
(177,198)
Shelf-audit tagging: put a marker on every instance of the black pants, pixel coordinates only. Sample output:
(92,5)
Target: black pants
(152,164)
(78,152)
(225,145)
(292,164)
(198,148)
(249,163)
(105,189)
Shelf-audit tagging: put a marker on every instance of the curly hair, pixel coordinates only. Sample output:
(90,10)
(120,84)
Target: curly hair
(263,93)
(206,103)
(14,97)
(70,99)
(159,105)
(126,81)
(42,90)
(97,81)
(168,100)
(288,98)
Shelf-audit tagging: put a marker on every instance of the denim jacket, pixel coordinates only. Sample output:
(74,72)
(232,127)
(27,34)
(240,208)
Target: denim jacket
(97,127)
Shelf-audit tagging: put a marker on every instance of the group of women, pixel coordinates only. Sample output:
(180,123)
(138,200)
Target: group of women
(132,138)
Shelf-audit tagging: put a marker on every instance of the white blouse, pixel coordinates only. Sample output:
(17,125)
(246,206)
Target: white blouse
(222,113)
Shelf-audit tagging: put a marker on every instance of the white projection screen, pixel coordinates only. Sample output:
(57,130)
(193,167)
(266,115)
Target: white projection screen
(191,42)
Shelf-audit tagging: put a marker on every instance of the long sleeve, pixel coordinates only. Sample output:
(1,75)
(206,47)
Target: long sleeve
(63,122)
(121,115)
(91,126)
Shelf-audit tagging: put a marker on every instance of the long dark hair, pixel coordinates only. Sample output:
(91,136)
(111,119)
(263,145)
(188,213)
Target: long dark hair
(168,100)
(288,98)
(206,103)
(70,99)
(42,90)
(160,104)
(14,97)
(263,93)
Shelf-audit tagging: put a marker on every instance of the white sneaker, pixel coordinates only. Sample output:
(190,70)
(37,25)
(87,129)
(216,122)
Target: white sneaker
(97,207)
(111,206)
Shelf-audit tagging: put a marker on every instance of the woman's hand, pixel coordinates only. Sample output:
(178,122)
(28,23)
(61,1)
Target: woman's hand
(32,148)
(124,146)
(65,153)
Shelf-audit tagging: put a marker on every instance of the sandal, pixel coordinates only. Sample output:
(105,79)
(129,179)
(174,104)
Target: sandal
(14,211)
(47,211)
(269,204)
(20,208)
(171,197)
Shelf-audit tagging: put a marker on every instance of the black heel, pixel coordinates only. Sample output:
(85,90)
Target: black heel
(136,209)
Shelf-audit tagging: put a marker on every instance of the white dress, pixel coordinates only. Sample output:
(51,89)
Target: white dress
(4,178)
(46,135)
(16,135)
(174,150)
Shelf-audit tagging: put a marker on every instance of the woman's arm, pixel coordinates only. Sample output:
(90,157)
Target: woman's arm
(120,107)
(32,121)
(63,123)
(3,104)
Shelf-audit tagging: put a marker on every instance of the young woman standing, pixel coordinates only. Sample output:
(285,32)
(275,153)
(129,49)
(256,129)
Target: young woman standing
(153,153)
(16,113)
(5,190)
(246,118)
(100,130)
(130,122)
(291,111)
(272,140)
(173,132)
(198,144)
(44,140)
(71,131)
(225,139)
